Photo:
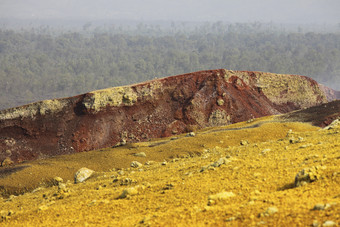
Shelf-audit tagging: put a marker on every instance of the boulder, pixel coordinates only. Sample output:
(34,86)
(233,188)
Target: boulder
(82,175)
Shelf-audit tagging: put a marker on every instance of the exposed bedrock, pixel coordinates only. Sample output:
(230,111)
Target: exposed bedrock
(157,108)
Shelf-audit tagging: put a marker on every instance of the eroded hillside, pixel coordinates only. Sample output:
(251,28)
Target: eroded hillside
(154,109)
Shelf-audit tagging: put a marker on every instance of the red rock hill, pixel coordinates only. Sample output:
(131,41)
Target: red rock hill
(157,108)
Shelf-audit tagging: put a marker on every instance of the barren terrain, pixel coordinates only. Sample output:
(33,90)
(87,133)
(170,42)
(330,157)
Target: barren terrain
(237,175)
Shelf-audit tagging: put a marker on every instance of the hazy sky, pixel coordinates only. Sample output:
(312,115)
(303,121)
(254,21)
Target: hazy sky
(280,11)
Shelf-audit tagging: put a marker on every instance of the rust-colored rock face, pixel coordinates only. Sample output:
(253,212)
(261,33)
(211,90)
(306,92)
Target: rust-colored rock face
(157,108)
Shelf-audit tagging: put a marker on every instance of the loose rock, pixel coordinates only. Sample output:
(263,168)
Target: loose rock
(191,134)
(7,162)
(265,151)
(329,223)
(315,223)
(294,140)
(136,164)
(58,180)
(244,142)
(220,162)
(164,163)
(321,206)
(140,154)
(307,175)
(82,175)
(129,192)
(220,102)
(221,196)
(270,211)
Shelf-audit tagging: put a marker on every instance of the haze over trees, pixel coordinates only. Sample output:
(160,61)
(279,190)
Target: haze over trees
(43,63)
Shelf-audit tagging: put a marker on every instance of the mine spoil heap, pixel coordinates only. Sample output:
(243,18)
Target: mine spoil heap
(157,108)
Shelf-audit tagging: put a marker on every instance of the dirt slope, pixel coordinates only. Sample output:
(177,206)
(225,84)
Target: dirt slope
(321,115)
(237,175)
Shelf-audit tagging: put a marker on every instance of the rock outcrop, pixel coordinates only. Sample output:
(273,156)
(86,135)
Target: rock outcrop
(157,108)
(330,93)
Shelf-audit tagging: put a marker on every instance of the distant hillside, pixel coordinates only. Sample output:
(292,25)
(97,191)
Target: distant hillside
(43,63)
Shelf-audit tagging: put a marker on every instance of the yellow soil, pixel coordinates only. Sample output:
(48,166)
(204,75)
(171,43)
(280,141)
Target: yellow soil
(259,175)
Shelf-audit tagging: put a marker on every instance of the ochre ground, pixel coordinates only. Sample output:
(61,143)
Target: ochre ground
(260,174)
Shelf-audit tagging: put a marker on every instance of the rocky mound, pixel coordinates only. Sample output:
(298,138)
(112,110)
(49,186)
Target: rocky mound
(147,110)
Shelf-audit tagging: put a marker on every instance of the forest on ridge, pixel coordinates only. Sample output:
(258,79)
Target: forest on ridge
(44,63)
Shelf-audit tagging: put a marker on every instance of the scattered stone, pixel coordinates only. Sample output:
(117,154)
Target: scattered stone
(220,162)
(175,160)
(270,211)
(321,206)
(140,154)
(43,207)
(5,215)
(306,145)
(168,187)
(244,142)
(128,192)
(121,172)
(58,180)
(250,120)
(265,151)
(316,223)
(203,169)
(127,181)
(62,187)
(307,175)
(294,140)
(136,164)
(289,133)
(211,168)
(148,163)
(7,162)
(10,198)
(220,102)
(164,163)
(82,175)
(123,142)
(230,219)
(329,223)
(221,196)
(191,134)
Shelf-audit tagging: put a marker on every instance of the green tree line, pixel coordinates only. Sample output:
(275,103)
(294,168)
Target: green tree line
(42,64)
